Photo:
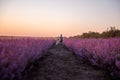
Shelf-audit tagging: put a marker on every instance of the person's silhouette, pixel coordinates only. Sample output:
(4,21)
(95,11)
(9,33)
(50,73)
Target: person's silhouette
(61,38)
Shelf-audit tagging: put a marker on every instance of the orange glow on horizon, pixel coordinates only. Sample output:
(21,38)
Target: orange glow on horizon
(45,18)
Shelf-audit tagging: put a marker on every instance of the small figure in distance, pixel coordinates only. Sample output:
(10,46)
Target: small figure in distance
(60,40)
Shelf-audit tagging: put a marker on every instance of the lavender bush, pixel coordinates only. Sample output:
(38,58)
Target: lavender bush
(16,54)
(103,53)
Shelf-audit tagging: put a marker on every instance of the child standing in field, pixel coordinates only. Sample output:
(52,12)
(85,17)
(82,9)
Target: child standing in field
(60,40)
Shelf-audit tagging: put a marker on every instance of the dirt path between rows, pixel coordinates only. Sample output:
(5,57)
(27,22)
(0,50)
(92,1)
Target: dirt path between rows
(61,64)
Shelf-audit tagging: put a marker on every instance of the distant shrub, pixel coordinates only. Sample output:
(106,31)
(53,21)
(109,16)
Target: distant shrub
(112,32)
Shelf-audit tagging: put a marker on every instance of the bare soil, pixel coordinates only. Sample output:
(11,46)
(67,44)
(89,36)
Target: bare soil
(61,64)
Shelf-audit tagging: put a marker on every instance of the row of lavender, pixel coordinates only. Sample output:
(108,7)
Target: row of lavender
(16,54)
(103,53)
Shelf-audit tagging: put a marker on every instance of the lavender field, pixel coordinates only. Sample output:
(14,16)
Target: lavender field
(17,53)
(50,62)
(102,53)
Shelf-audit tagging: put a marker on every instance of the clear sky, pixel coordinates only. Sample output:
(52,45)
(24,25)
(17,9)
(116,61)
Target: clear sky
(53,17)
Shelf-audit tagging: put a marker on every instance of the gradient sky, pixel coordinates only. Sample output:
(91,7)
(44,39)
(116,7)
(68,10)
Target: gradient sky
(54,17)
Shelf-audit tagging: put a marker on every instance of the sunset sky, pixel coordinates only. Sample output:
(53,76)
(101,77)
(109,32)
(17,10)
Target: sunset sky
(45,18)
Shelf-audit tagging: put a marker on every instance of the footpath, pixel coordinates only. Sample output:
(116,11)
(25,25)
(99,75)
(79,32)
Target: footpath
(61,64)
